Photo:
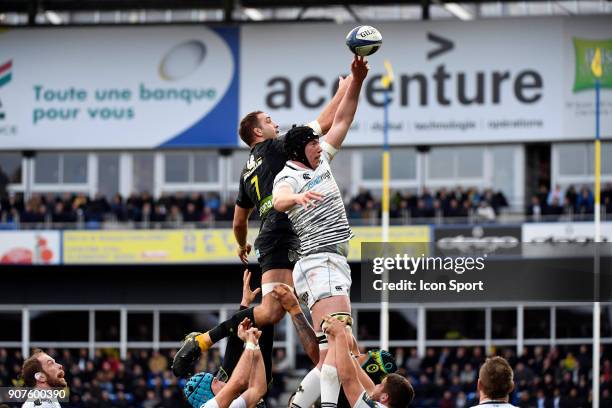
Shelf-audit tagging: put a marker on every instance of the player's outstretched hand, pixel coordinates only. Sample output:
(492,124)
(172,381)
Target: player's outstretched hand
(309,198)
(253,335)
(243,253)
(284,295)
(344,82)
(243,329)
(360,68)
(248,295)
(333,326)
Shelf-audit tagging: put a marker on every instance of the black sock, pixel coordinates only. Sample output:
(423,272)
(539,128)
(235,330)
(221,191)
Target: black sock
(266,344)
(230,326)
(233,351)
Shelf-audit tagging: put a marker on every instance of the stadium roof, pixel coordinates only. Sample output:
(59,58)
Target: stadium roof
(71,12)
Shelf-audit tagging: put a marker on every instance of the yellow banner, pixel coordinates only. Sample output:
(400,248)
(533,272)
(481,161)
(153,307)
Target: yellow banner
(191,246)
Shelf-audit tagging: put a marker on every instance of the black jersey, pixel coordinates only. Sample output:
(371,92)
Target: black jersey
(256,182)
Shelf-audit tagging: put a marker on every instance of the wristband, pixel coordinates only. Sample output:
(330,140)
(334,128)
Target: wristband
(251,346)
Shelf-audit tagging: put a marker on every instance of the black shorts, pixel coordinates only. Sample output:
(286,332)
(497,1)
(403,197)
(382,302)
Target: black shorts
(277,258)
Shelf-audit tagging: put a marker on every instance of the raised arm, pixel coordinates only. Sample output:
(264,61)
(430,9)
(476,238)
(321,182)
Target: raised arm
(348,106)
(326,118)
(241,374)
(347,372)
(284,198)
(257,380)
(241,227)
(307,335)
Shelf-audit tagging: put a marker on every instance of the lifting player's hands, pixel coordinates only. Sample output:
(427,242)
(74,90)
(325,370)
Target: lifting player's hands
(308,199)
(243,253)
(253,335)
(333,326)
(248,295)
(344,82)
(284,295)
(243,328)
(359,68)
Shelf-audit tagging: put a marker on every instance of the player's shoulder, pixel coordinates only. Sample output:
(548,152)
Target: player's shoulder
(41,403)
(494,405)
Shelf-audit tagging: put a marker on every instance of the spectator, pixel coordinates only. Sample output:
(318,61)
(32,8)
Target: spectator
(534,210)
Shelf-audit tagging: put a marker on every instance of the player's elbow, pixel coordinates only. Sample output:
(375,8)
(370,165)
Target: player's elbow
(277,202)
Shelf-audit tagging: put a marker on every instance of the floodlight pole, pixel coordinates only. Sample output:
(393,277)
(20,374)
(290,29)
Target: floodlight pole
(384,297)
(597,210)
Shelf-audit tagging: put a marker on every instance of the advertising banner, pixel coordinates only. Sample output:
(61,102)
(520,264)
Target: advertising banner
(191,246)
(30,247)
(487,81)
(120,87)
(469,238)
(578,232)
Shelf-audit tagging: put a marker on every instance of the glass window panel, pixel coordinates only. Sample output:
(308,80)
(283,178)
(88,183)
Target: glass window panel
(455,324)
(371,164)
(238,160)
(537,323)
(75,168)
(44,326)
(10,168)
(11,326)
(107,326)
(503,169)
(142,171)
(403,164)
(177,167)
(46,168)
(108,174)
(606,158)
(441,163)
(206,167)
(503,324)
(140,326)
(470,161)
(171,324)
(571,159)
(575,322)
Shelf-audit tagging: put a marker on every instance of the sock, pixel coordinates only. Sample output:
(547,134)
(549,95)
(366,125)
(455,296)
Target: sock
(233,351)
(266,344)
(228,327)
(322,340)
(330,386)
(309,390)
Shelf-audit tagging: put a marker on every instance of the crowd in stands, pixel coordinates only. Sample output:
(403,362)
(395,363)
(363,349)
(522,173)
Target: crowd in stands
(171,210)
(558,202)
(445,378)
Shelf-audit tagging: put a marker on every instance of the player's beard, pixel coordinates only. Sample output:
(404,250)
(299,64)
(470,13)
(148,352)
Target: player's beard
(56,382)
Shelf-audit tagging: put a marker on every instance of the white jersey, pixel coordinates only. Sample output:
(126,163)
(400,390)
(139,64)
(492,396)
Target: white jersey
(494,404)
(237,403)
(365,401)
(41,403)
(326,223)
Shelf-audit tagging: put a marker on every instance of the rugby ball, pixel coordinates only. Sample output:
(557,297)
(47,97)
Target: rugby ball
(364,40)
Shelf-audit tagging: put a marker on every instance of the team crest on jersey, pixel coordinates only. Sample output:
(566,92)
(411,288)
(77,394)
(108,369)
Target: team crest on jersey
(369,401)
(251,165)
(306,176)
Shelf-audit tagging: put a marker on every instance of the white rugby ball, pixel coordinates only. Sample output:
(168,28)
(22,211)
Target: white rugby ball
(364,40)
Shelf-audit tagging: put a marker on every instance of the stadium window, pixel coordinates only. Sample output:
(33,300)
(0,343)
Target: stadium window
(455,324)
(176,167)
(143,171)
(503,322)
(371,164)
(606,154)
(11,326)
(537,323)
(107,326)
(469,161)
(441,163)
(206,167)
(504,169)
(403,164)
(572,159)
(44,324)
(108,174)
(10,168)
(74,168)
(47,168)
(575,322)
(140,326)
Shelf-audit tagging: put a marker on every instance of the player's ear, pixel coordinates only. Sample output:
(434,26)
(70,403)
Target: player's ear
(478,385)
(40,377)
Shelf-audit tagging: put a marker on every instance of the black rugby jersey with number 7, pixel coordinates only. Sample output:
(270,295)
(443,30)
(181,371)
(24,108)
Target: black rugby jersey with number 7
(256,181)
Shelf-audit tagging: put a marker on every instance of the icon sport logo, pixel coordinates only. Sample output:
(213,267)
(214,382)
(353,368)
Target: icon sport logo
(585,51)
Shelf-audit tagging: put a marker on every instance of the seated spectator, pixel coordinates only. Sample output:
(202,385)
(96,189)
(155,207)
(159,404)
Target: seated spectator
(534,210)
(585,201)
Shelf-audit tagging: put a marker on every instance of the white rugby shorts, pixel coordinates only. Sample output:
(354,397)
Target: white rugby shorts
(322,275)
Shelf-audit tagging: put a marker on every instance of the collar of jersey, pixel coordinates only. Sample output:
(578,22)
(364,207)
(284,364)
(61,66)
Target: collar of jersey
(296,167)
